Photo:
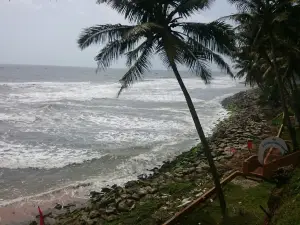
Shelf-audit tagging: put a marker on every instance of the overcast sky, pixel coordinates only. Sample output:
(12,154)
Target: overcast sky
(44,32)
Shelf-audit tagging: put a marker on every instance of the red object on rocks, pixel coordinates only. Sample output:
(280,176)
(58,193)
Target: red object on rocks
(250,144)
(233,150)
(41,217)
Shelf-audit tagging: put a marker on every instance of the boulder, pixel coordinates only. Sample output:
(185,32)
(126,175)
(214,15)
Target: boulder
(33,223)
(94,214)
(126,205)
(58,206)
(168,174)
(49,221)
(95,194)
(106,200)
(106,190)
(111,210)
(135,196)
(131,184)
(109,218)
(123,207)
(142,192)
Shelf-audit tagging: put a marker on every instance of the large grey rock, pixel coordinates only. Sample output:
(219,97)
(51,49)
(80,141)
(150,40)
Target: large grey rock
(58,206)
(135,196)
(94,214)
(33,223)
(125,205)
(49,221)
(142,192)
(106,190)
(168,174)
(106,200)
(122,206)
(111,210)
(131,184)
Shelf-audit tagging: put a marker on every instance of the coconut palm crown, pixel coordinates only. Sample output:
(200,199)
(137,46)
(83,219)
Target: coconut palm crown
(159,28)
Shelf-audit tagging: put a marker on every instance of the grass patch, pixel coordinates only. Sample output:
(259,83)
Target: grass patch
(289,211)
(243,207)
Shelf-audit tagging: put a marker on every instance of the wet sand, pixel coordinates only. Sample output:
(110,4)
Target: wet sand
(26,210)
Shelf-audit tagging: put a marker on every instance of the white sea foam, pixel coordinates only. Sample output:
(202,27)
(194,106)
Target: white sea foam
(52,125)
(85,125)
(24,156)
(158,90)
(104,124)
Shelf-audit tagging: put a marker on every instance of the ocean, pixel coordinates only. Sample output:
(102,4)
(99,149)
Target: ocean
(64,126)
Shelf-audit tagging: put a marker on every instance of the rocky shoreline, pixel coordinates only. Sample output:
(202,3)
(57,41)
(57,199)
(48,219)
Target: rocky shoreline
(154,198)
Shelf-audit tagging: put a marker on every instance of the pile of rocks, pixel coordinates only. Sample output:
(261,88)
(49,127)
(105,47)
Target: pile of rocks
(177,182)
(247,122)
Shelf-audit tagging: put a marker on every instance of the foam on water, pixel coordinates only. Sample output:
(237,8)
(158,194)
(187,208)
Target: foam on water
(16,156)
(50,126)
(99,126)
(140,164)
(161,90)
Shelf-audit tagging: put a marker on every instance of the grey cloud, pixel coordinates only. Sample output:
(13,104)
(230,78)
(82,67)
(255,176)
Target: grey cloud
(44,32)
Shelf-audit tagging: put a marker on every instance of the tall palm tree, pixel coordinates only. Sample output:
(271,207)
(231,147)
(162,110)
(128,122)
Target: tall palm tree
(158,27)
(268,22)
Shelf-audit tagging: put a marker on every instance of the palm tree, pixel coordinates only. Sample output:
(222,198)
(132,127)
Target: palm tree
(268,22)
(159,28)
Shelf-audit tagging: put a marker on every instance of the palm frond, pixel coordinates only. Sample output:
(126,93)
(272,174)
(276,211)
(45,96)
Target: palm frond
(141,65)
(243,18)
(134,54)
(191,57)
(101,33)
(146,29)
(113,50)
(267,72)
(246,5)
(208,55)
(186,8)
(198,67)
(134,11)
(217,35)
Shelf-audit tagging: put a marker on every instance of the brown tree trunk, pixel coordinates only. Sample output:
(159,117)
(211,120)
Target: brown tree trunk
(203,139)
(281,92)
(296,96)
(294,83)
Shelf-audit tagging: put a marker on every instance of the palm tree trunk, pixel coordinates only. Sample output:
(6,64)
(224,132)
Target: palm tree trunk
(281,92)
(203,139)
(296,95)
(294,100)
(294,83)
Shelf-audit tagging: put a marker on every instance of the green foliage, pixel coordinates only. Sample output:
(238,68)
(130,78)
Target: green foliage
(268,49)
(288,212)
(243,207)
